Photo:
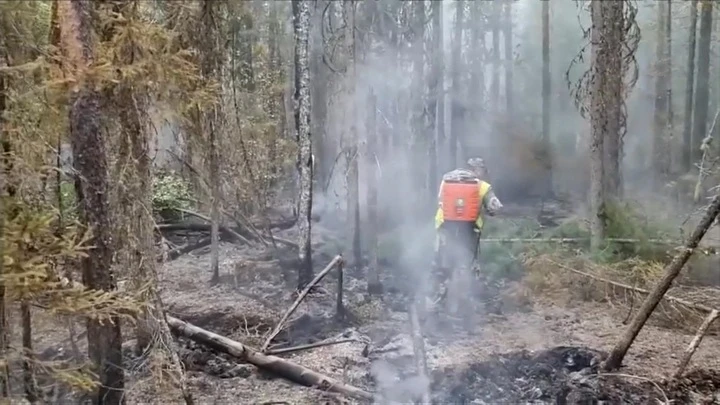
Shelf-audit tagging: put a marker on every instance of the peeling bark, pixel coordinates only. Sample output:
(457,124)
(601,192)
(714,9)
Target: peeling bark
(702,88)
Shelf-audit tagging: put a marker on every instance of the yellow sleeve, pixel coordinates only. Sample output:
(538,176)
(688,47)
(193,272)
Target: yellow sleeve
(439,217)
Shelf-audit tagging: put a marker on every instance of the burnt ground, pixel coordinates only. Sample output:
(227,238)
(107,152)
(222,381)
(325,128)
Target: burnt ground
(541,352)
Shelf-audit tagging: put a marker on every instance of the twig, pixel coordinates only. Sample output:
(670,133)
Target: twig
(299,299)
(692,347)
(697,307)
(576,240)
(309,346)
(339,307)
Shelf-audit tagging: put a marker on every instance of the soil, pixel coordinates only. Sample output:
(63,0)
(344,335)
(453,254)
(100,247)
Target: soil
(544,352)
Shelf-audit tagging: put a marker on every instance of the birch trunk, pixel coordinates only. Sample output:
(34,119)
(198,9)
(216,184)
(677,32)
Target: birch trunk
(90,163)
(662,67)
(301,24)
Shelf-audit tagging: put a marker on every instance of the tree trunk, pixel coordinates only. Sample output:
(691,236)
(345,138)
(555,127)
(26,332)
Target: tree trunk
(418,140)
(507,36)
(456,109)
(495,85)
(211,67)
(90,163)
(353,181)
(546,90)
(436,109)
(374,283)
(695,343)
(689,83)
(661,161)
(4,335)
(606,83)
(702,88)
(669,113)
(301,18)
(672,270)
(31,388)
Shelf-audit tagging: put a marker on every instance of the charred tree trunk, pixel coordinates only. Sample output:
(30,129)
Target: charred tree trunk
(546,90)
(301,19)
(661,163)
(507,36)
(687,141)
(672,270)
(90,163)
(436,109)
(353,181)
(29,382)
(418,143)
(702,88)
(476,89)
(456,109)
(606,97)
(374,283)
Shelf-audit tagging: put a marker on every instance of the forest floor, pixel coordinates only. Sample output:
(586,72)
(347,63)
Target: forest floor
(538,352)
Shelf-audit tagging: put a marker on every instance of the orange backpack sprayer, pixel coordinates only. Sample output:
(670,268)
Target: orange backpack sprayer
(460,200)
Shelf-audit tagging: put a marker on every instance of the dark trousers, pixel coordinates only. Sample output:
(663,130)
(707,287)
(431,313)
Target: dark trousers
(458,244)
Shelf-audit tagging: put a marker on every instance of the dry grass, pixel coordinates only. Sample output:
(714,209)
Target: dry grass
(559,277)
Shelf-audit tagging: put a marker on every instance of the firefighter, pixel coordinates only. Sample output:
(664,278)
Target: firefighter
(463,200)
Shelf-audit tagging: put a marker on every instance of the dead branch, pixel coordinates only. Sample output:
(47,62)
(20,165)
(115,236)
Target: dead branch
(286,369)
(576,240)
(695,343)
(309,346)
(651,301)
(339,306)
(299,299)
(688,304)
(175,253)
(419,350)
(222,227)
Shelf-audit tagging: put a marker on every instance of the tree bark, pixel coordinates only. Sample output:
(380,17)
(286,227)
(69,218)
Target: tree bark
(507,36)
(672,270)
(436,108)
(456,109)
(661,161)
(546,88)
(372,160)
(687,157)
(90,163)
(29,382)
(301,17)
(702,88)
(495,84)
(4,335)
(293,372)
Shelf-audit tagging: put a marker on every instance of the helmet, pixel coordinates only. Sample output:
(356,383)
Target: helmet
(476,163)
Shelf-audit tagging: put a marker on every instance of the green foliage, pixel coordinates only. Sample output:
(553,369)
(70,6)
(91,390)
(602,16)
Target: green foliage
(170,194)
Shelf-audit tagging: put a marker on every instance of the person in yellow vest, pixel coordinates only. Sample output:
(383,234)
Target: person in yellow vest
(464,199)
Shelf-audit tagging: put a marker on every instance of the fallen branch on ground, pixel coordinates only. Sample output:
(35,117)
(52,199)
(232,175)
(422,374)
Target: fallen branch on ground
(221,227)
(175,253)
(695,343)
(309,346)
(576,240)
(206,228)
(419,351)
(337,259)
(293,372)
(688,304)
(672,270)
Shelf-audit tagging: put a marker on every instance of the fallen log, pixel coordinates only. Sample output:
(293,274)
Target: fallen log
(175,253)
(695,343)
(221,227)
(576,240)
(224,230)
(309,346)
(298,300)
(672,270)
(283,368)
